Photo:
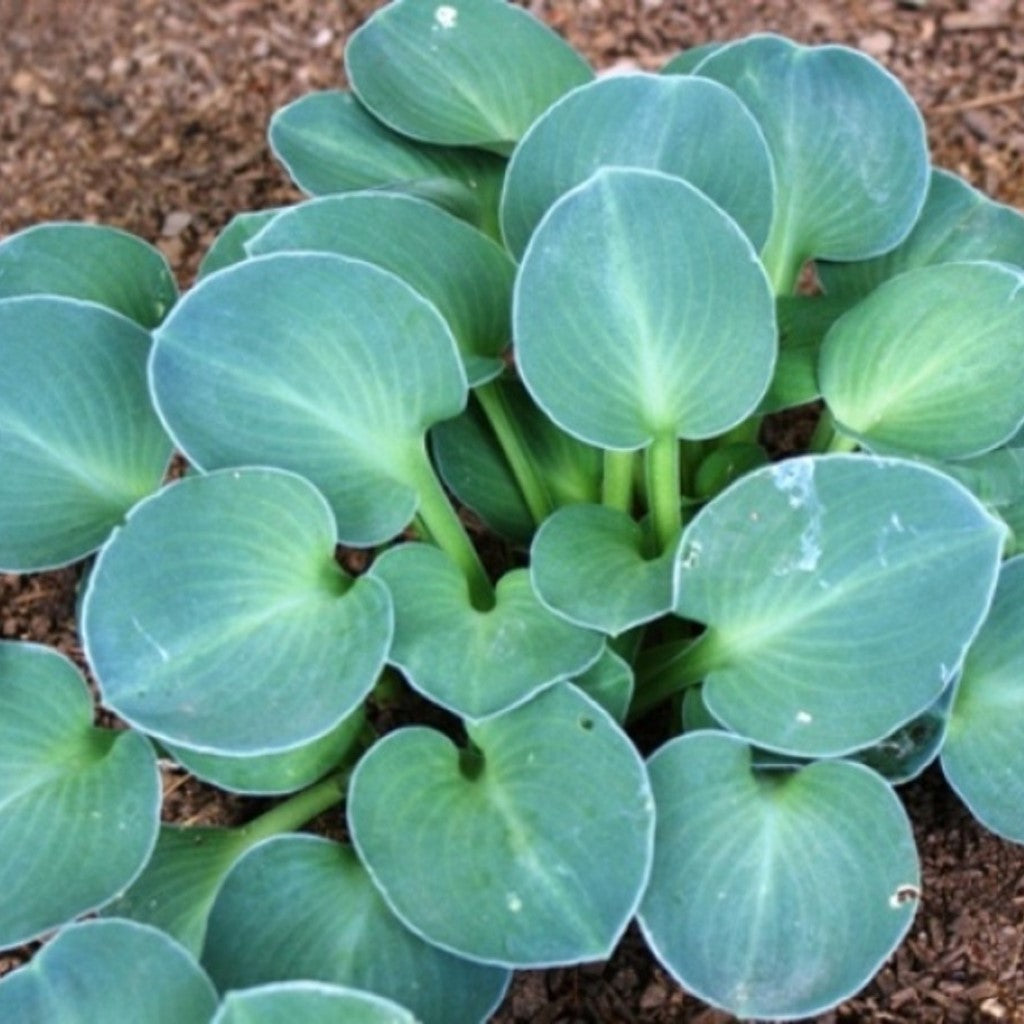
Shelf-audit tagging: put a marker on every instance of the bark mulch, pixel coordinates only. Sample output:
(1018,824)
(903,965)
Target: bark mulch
(150,115)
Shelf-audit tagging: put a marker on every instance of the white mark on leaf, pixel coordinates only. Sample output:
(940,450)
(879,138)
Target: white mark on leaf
(804,717)
(795,479)
(513,902)
(445,17)
(691,555)
(151,640)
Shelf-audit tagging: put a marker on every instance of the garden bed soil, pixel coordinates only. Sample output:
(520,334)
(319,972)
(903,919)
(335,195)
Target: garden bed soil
(151,114)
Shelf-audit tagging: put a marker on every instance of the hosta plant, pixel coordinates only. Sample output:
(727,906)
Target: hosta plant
(486,542)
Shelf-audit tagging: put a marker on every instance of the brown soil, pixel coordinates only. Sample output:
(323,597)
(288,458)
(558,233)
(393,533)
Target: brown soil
(150,115)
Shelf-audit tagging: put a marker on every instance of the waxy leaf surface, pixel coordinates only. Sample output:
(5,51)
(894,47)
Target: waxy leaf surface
(312,362)
(311,1003)
(931,362)
(688,127)
(117,972)
(308,886)
(774,894)
(461,271)
(983,756)
(840,594)
(476,663)
(79,441)
(462,73)
(245,636)
(641,311)
(847,142)
(591,564)
(89,262)
(609,682)
(229,246)
(538,835)
(79,806)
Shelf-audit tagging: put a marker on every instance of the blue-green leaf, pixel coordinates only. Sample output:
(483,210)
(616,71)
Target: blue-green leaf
(308,1002)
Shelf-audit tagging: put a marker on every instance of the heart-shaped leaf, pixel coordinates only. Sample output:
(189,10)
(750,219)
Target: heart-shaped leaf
(688,127)
(848,145)
(229,246)
(118,972)
(90,262)
(473,662)
(983,756)
(840,594)
(310,1002)
(463,74)
(461,271)
(957,223)
(268,774)
(538,834)
(774,894)
(89,798)
(308,886)
(593,565)
(641,311)
(79,441)
(327,366)
(931,362)
(245,636)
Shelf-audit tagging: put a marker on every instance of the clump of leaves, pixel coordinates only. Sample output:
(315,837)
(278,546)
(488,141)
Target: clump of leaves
(682,673)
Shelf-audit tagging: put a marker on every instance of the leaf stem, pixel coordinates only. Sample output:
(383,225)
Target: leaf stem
(447,531)
(672,669)
(293,813)
(617,480)
(780,260)
(498,412)
(826,438)
(661,464)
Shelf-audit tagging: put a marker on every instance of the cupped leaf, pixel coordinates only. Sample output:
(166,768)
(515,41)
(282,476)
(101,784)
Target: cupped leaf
(774,894)
(983,756)
(89,262)
(79,806)
(312,362)
(476,663)
(327,142)
(957,223)
(840,594)
(308,886)
(642,311)
(461,271)
(230,245)
(594,566)
(244,636)
(472,464)
(79,440)
(269,774)
(118,972)
(538,833)
(175,891)
(931,362)
(465,74)
(688,127)
(311,1003)
(848,145)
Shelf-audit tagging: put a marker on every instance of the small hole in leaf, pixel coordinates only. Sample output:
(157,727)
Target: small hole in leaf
(903,895)
(586,723)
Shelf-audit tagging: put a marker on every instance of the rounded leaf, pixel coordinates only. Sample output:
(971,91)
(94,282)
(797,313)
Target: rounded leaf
(312,362)
(305,885)
(118,972)
(90,262)
(840,593)
(848,145)
(642,310)
(983,756)
(539,834)
(229,247)
(591,565)
(774,894)
(244,636)
(79,806)
(461,271)
(931,362)
(79,440)
(309,1002)
(476,663)
(463,74)
(688,127)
